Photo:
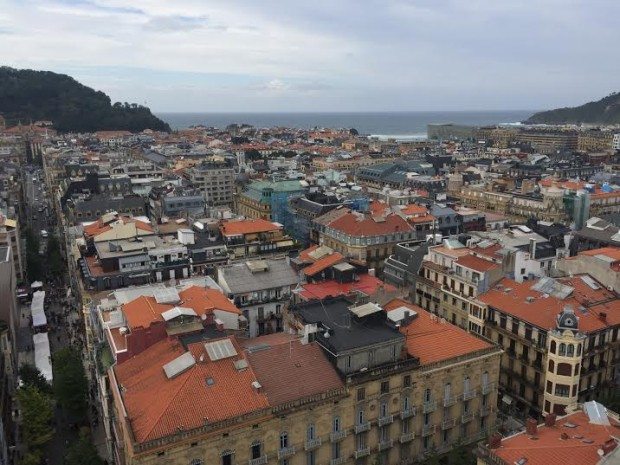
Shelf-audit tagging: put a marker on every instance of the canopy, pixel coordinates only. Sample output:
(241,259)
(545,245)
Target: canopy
(42,358)
(37,309)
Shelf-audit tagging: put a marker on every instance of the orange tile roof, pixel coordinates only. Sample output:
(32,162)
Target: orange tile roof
(454,253)
(542,311)
(356,224)
(157,406)
(475,263)
(611,252)
(98,227)
(432,341)
(367,284)
(491,251)
(240,227)
(414,209)
(143,311)
(304,255)
(378,207)
(323,263)
(289,370)
(550,449)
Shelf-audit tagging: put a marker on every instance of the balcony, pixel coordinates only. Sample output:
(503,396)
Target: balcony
(408,413)
(467,417)
(487,388)
(361,427)
(386,444)
(337,435)
(427,430)
(485,410)
(262,460)
(429,406)
(448,423)
(359,453)
(406,437)
(337,461)
(312,444)
(286,452)
(386,420)
(448,401)
(469,394)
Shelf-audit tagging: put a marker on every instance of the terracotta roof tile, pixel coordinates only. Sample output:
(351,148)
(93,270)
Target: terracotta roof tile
(357,224)
(550,449)
(542,311)
(432,341)
(237,228)
(475,263)
(367,284)
(323,263)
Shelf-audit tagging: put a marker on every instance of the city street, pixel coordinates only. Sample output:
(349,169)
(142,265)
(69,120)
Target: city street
(60,310)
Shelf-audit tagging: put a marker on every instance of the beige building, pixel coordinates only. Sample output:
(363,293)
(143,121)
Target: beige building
(216,181)
(9,237)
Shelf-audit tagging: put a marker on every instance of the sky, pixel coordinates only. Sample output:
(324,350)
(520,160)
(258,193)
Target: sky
(323,55)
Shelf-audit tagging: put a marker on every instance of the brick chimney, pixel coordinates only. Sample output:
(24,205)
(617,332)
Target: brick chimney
(495,440)
(531,427)
(550,419)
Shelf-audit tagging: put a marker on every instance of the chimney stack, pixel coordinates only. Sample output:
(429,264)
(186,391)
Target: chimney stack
(550,419)
(495,441)
(608,446)
(531,427)
(532,248)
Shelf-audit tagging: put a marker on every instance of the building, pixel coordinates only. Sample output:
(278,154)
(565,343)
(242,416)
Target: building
(176,202)
(367,238)
(269,200)
(583,436)
(216,181)
(450,131)
(602,264)
(90,208)
(616,142)
(412,394)
(261,289)
(305,209)
(221,402)
(402,267)
(10,237)
(596,233)
(559,336)
(395,175)
(251,238)
(594,140)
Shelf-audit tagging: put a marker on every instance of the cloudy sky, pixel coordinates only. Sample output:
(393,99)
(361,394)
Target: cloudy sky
(323,55)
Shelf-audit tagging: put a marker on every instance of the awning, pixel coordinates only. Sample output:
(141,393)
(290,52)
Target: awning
(285,243)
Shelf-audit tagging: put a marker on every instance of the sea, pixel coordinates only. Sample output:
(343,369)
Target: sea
(409,125)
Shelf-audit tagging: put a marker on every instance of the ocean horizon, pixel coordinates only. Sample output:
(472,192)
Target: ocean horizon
(405,125)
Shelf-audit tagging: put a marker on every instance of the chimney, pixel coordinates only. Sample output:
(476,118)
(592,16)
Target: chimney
(532,248)
(495,440)
(550,419)
(531,427)
(608,446)
(219,324)
(603,316)
(257,387)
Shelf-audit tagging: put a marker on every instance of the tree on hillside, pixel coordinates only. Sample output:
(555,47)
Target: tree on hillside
(37,413)
(70,384)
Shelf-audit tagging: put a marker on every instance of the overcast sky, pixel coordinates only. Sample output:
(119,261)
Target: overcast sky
(323,55)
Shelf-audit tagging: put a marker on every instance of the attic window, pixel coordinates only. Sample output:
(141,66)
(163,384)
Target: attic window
(210,381)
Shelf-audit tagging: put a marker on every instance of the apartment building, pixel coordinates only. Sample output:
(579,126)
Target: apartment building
(560,340)
(254,237)
(583,436)
(602,264)
(261,289)
(10,237)
(412,393)
(216,181)
(368,238)
(616,142)
(594,140)
(269,200)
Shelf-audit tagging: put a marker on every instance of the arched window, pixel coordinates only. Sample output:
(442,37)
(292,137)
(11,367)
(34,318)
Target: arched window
(551,366)
(466,384)
(552,348)
(562,349)
(311,431)
(336,424)
(571,350)
(283,440)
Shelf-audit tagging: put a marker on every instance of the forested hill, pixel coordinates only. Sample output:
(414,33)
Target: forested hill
(27,95)
(603,111)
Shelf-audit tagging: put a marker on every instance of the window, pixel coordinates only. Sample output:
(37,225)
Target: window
(427,395)
(283,440)
(255,450)
(360,417)
(551,366)
(227,457)
(564,369)
(562,349)
(407,381)
(552,348)
(310,432)
(570,352)
(562,390)
(336,424)
(383,410)
(406,403)
(335,450)
(310,458)
(466,384)
(361,394)
(447,391)
(385,387)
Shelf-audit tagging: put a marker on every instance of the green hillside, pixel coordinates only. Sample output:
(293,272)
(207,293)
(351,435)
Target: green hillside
(603,111)
(27,95)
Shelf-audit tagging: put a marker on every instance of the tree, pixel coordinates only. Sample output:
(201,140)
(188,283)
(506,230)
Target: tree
(54,256)
(37,412)
(70,384)
(33,261)
(32,457)
(253,155)
(82,452)
(32,377)
(354,132)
